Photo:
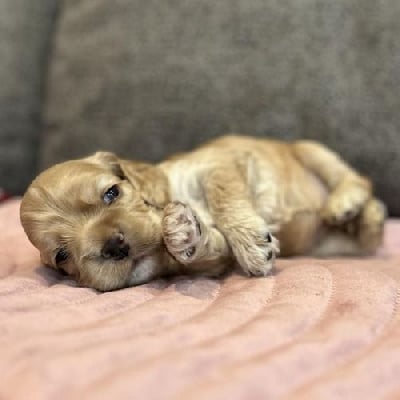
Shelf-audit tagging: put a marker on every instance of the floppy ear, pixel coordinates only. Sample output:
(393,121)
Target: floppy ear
(108,160)
(103,157)
(145,178)
(148,179)
(138,173)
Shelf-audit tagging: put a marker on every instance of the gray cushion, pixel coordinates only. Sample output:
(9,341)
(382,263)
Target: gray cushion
(24,40)
(145,79)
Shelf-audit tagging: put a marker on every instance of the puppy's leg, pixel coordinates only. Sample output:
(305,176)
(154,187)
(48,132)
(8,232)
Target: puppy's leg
(360,237)
(229,201)
(371,226)
(192,243)
(349,190)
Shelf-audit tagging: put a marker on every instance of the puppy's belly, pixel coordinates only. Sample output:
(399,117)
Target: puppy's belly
(292,208)
(300,234)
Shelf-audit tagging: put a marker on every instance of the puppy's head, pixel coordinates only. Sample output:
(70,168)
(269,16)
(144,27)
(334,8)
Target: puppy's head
(95,218)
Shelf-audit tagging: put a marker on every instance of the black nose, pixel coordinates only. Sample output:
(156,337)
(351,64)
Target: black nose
(115,247)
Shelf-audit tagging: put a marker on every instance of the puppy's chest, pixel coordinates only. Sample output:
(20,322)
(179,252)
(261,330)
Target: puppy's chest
(185,185)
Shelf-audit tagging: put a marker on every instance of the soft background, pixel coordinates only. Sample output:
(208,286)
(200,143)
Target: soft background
(145,79)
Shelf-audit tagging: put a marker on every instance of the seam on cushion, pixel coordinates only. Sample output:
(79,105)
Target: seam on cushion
(151,359)
(118,313)
(290,341)
(15,361)
(277,350)
(368,348)
(45,80)
(150,331)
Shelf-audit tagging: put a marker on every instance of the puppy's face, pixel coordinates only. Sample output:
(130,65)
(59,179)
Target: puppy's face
(93,219)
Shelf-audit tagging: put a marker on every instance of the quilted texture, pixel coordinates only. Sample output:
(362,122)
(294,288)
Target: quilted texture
(315,329)
(25,35)
(149,78)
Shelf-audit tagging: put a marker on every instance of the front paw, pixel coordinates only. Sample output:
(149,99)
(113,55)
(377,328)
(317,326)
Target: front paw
(181,231)
(258,256)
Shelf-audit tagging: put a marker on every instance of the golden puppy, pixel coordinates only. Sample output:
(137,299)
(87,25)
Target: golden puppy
(115,223)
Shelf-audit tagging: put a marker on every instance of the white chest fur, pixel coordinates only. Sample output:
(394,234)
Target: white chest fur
(185,185)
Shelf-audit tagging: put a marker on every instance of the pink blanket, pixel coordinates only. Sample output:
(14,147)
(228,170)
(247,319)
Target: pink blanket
(315,329)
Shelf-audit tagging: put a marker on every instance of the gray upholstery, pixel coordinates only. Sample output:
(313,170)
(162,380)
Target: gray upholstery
(148,78)
(25,27)
(145,79)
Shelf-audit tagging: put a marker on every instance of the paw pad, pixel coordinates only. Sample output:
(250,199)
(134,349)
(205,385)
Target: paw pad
(181,231)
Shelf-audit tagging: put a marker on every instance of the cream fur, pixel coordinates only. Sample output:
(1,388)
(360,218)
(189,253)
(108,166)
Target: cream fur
(234,200)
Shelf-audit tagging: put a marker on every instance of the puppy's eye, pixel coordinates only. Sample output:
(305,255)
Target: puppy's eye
(61,256)
(111,194)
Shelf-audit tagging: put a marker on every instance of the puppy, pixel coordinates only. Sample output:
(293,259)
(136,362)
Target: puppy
(114,223)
